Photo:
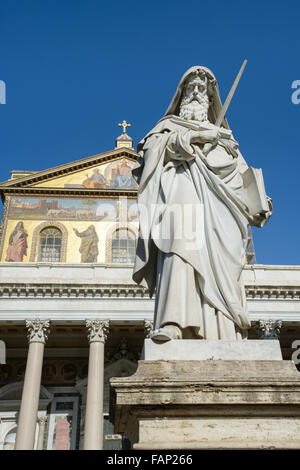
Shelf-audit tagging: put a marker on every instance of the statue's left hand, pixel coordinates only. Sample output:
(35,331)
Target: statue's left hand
(260,219)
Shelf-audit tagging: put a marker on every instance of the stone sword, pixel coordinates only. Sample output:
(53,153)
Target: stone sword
(207,147)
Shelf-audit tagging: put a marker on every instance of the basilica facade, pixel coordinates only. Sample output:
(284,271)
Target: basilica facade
(69,309)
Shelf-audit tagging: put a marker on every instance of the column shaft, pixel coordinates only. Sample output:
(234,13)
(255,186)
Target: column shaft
(30,397)
(93,436)
(42,423)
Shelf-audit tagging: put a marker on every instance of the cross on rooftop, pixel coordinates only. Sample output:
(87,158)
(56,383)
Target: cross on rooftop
(124,124)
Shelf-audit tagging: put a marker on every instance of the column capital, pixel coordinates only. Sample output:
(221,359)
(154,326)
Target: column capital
(97,330)
(38,330)
(148,327)
(42,419)
(269,329)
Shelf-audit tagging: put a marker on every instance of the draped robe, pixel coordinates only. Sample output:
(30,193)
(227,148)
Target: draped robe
(17,247)
(197,280)
(89,245)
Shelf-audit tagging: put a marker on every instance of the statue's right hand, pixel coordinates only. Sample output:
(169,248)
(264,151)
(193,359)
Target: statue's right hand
(202,137)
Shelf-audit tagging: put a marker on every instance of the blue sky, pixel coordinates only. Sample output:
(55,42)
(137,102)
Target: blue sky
(75,69)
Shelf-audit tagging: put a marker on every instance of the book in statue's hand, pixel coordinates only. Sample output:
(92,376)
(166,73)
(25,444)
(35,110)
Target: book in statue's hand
(255,196)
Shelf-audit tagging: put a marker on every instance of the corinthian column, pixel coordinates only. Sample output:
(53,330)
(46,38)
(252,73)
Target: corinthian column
(93,435)
(42,420)
(38,331)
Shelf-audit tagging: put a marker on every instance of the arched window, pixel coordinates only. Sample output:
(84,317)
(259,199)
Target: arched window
(123,246)
(50,245)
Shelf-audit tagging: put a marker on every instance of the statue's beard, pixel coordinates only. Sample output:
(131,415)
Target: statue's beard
(195,108)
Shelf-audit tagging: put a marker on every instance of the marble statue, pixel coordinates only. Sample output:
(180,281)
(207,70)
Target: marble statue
(194,217)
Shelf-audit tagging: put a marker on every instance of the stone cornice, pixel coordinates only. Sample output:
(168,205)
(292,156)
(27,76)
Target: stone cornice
(262,292)
(271,267)
(73,290)
(80,192)
(46,290)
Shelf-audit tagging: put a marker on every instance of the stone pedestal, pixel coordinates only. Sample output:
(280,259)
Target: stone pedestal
(195,349)
(209,404)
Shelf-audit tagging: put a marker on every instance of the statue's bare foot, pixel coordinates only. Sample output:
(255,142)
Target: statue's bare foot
(166,333)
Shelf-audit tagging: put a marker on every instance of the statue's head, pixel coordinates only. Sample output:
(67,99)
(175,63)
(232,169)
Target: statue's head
(197,96)
(194,101)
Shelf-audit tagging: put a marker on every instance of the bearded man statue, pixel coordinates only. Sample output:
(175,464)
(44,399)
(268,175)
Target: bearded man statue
(190,182)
